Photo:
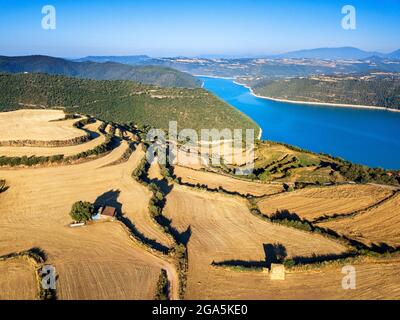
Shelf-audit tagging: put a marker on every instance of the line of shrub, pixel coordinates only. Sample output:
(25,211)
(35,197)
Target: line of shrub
(293,221)
(162,289)
(125,156)
(237,265)
(83,122)
(205,187)
(106,146)
(356,212)
(156,206)
(29,161)
(149,244)
(102,127)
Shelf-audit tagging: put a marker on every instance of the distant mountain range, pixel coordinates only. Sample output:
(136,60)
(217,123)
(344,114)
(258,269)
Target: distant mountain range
(156,75)
(134,60)
(341,53)
(347,53)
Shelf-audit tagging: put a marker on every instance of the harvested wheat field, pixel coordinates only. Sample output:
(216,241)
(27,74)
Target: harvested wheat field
(312,203)
(98,138)
(202,154)
(37,125)
(18,280)
(213,180)
(222,228)
(154,172)
(374,280)
(102,260)
(380,224)
(91,261)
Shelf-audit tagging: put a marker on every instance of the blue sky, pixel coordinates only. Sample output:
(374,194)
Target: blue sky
(191,27)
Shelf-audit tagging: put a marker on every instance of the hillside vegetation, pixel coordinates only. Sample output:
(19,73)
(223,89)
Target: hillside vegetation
(380,92)
(157,75)
(121,101)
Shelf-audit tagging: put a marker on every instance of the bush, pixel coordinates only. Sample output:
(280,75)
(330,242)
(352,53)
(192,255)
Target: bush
(162,292)
(288,263)
(82,211)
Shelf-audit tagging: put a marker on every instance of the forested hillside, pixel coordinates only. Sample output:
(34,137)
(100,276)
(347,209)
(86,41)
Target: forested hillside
(157,75)
(380,92)
(121,101)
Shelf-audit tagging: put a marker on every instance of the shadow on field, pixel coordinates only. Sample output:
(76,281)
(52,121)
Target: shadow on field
(274,253)
(109,198)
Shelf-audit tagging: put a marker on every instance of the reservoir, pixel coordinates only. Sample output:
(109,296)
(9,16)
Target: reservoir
(365,136)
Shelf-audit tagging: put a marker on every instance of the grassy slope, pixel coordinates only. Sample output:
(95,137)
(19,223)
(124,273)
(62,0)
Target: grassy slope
(122,101)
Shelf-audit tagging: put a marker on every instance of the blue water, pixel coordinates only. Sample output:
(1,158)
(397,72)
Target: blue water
(368,136)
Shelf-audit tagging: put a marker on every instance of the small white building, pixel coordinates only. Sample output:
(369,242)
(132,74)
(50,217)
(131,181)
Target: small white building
(277,272)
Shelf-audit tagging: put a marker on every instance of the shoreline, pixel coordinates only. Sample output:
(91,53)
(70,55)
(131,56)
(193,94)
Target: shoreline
(327,104)
(215,77)
(234,81)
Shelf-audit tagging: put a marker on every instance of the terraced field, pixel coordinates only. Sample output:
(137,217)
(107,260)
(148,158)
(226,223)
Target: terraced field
(98,138)
(222,228)
(93,262)
(214,181)
(37,125)
(119,259)
(38,204)
(313,203)
(380,224)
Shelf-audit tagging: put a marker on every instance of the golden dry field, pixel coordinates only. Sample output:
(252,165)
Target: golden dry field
(312,203)
(223,229)
(230,184)
(122,259)
(37,125)
(375,280)
(17,280)
(90,259)
(93,262)
(380,224)
(11,151)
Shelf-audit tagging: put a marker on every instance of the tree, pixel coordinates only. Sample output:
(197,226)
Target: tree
(82,211)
